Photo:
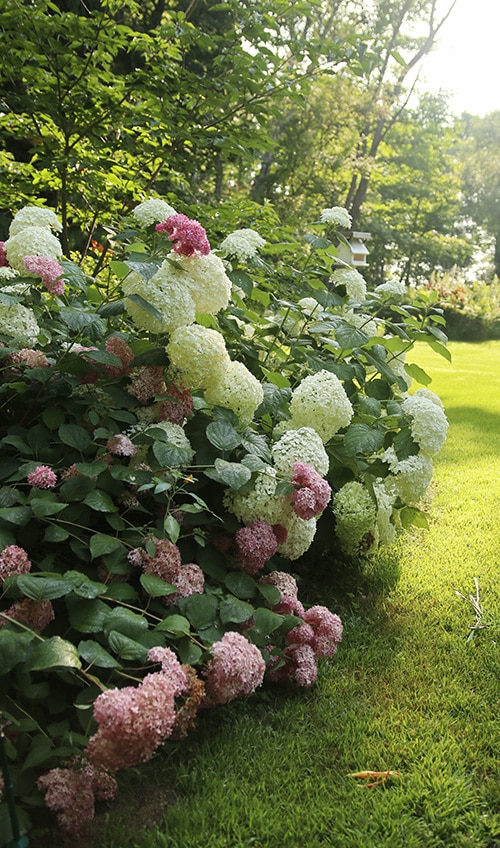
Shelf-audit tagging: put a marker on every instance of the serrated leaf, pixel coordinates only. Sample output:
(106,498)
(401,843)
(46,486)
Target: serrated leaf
(87,616)
(235,611)
(148,307)
(222,435)
(93,653)
(156,587)
(178,625)
(232,474)
(43,588)
(100,501)
(361,438)
(170,456)
(74,436)
(127,622)
(44,506)
(19,515)
(266,621)
(101,544)
(271,593)
(200,609)
(13,648)
(53,653)
(241,584)
(126,648)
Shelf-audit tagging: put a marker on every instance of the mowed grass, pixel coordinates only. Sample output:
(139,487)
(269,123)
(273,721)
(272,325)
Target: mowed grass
(407,691)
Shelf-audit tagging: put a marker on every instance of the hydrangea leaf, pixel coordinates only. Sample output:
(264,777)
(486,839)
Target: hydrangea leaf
(222,435)
(54,653)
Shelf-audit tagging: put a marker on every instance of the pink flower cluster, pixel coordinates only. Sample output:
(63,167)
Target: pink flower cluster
(4,262)
(71,793)
(314,492)
(167,565)
(257,543)
(119,348)
(189,236)
(318,635)
(134,721)
(121,445)
(48,270)
(13,560)
(42,477)
(147,381)
(235,670)
(178,405)
(29,357)
(35,613)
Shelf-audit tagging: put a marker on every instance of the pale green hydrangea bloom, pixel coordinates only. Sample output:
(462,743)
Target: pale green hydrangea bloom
(300,533)
(239,391)
(397,365)
(428,423)
(242,244)
(423,392)
(392,287)
(152,211)
(337,215)
(309,305)
(301,445)
(385,532)
(362,322)
(355,513)
(261,502)
(7,273)
(174,433)
(199,355)
(173,301)
(353,281)
(34,216)
(19,322)
(410,478)
(31,241)
(207,281)
(320,402)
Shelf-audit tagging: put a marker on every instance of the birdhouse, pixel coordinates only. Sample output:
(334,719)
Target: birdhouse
(357,251)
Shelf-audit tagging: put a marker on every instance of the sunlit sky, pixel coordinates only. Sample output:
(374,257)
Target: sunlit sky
(466,60)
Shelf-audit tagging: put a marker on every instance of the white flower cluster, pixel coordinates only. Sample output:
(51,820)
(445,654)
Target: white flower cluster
(242,244)
(409,478)
(301,445)
(7,273)
(428,422)
(353,281)
(207,281)
(320,402)
(31,241)
(336,215)
(152,211)
(309,305)
(361,322)
(199,355)
(396,288)
(238,390)
(355,513)
(34,216)
(174,303)
(19,322)
(300,533)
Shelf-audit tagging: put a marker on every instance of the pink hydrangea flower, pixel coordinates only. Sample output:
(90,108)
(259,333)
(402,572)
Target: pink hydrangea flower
(165,563)
(121,445)
(289,606)
(284,582)
(71,794)
(4,262)
(36,614)
(13,560)
(256,544)
(48,270)
(189,236)
(119,348)
(147,381)
(314,493)
(42,477)
(305,664)
(178,405)
(170,666)
(190,580)
(303,634)
(235,670)
(327,630)
(29,357)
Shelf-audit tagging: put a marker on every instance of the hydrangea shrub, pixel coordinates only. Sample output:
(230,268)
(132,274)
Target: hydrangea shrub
(174,432)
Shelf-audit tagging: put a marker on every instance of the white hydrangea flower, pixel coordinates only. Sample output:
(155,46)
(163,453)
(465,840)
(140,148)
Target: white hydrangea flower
(362,322)
(173,302)
(302,445)
(309,305)
(7,273)
(152,211)
(410,478)
(239,391)
(393,287)
(423,392)
(19,322)
(320,402)
(242,244)
(31,241)
(337,215)
(300,534)
(397,365)
(355,513)
(174,432)
(34,216)
(385,531)
(207,281)
(200,355)
(353,281)
(260,503)
(428,423)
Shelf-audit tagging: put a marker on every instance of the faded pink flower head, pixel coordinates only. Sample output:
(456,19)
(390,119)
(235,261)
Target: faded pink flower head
(119,348)
(178,405)
(284,582)
(147,381)
(4,262)
(235,670)
(13,560)
(29,357)
(48,270)
(190,580)
(306,666)
(170,666)
(42,477)
(189,236)
(121,445)
(327,630)
(314,492)
(289,606)
(71,793)
(256,544)
(36,614)
(165,563)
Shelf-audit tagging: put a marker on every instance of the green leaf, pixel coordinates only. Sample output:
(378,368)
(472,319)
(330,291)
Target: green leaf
(222,435)
(54,533)
(156,587)
(100,501)
(148,307)
(126,622)
(232,474)
(169,455)
(45,506)
(418,374)
(77,488)
(241,584)
(13,648)
(201,610)
(74,436)
(126,648)
(172,527)
(146,270)
(19,515)
(266,621)
(84,586)
(101,544)
(42,588)
(234,610)
(361,438)
(93,653)
(87,616)
(178,625)
(413,517)
(350,337)
(241,278)
(271,593)
(404,445)
(52,653)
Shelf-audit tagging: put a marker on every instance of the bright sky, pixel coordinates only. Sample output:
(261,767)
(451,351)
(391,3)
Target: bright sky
(466,60)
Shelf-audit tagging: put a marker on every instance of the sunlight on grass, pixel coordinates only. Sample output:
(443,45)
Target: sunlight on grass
(407,691)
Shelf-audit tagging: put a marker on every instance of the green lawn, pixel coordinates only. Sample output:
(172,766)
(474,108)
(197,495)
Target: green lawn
(407,692)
